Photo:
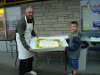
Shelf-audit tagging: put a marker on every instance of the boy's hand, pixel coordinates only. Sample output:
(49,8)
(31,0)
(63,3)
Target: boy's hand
(30,49)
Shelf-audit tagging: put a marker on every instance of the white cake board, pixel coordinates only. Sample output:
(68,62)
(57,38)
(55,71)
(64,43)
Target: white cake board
(33,45)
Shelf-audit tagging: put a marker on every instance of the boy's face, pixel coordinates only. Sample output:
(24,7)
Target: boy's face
(73,28)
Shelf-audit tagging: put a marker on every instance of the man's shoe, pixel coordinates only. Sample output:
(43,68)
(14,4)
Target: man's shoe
(32,73)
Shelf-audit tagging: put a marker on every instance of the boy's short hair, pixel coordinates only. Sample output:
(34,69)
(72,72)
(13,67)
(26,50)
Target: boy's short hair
(74,22)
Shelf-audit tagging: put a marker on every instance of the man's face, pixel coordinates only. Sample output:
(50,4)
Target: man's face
(73,28)
(29,13)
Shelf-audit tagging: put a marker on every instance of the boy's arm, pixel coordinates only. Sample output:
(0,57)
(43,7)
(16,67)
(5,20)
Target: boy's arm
(75,44)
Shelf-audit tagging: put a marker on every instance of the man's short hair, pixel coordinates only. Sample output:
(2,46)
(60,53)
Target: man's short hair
(29,7)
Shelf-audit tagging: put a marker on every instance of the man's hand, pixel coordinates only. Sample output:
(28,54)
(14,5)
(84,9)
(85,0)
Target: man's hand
(32,51)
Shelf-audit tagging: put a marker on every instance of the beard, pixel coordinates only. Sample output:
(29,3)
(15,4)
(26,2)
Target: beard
(29,19)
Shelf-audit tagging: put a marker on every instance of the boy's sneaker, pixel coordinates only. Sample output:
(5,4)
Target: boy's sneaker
(71,74)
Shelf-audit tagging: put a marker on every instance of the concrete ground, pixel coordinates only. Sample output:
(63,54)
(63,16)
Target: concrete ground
(7,66)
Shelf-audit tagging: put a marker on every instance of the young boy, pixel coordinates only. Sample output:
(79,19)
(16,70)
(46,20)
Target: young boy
(73,50)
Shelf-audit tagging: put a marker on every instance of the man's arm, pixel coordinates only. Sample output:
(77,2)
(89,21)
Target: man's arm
(33,33)
(21,26)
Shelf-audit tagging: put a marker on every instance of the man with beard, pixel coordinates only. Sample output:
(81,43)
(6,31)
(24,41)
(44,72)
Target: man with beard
(24,33)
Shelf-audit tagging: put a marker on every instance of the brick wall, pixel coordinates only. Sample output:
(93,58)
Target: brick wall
(52,17)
